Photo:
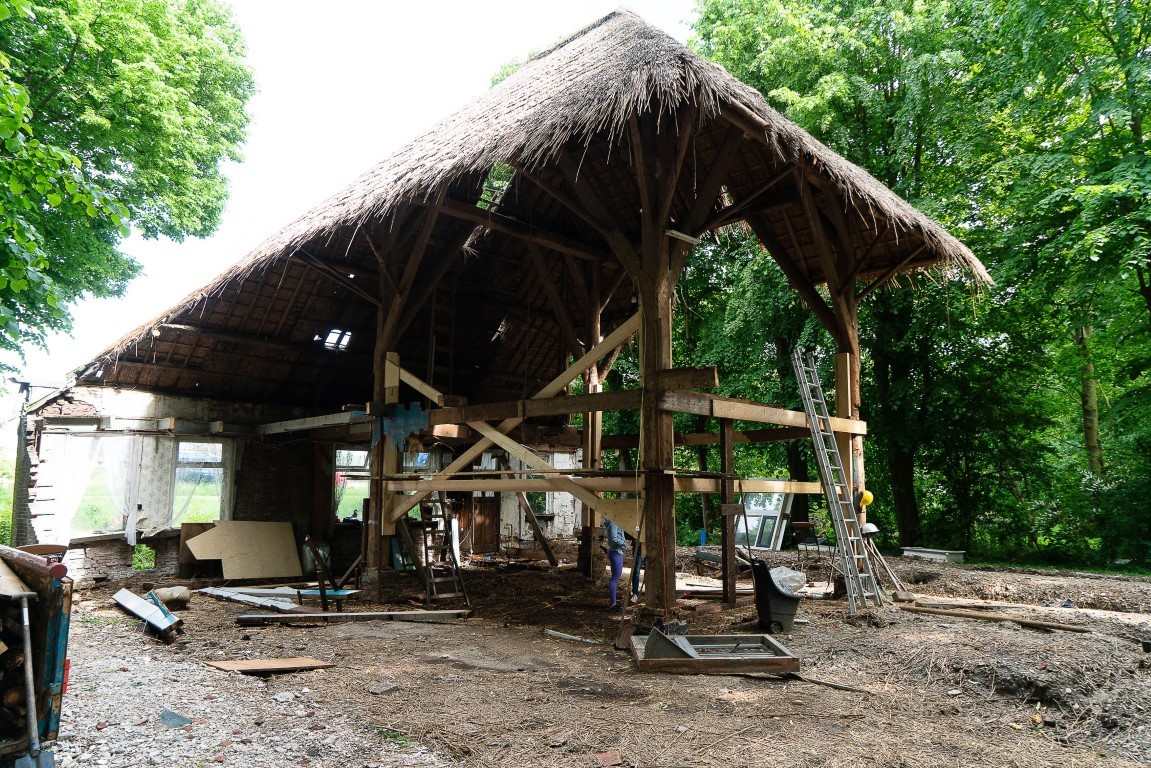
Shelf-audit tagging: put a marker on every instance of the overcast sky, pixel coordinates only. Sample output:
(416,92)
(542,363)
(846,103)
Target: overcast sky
(342,84)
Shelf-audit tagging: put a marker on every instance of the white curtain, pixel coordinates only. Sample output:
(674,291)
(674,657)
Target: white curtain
(122,456)
(70,478)
(190,474)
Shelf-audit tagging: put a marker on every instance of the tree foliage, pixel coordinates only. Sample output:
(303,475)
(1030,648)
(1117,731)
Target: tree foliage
(1011,421)
(114,114)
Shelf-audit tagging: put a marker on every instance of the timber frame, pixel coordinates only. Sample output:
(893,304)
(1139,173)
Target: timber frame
(515,249)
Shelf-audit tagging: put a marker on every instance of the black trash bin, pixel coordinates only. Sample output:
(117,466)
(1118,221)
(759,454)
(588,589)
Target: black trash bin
(775,605)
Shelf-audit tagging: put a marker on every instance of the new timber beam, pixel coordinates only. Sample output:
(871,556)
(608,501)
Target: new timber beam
(616,484)
(702,404)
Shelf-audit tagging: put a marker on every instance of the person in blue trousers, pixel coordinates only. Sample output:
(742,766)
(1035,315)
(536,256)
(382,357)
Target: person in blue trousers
(615,543)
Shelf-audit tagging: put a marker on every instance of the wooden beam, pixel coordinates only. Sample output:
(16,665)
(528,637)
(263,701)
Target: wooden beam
(390,325)
(823,249)
(421,386)
(311,422)
(726,497)
(735,211)
(617,484)
(773,435)
(614,233)
(624,400)
(419,294)
(703,404)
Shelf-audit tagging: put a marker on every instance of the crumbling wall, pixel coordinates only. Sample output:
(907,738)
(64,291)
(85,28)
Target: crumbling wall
(90,561)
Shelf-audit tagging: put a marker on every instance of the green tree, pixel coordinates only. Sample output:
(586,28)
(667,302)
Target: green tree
(113,114)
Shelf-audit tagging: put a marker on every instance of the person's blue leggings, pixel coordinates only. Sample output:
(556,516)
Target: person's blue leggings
(616,561)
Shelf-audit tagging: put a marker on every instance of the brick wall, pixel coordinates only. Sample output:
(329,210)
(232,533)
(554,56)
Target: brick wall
(274,483)
(113,559)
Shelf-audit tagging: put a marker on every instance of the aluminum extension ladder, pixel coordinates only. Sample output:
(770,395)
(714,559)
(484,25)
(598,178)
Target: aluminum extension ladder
(857,571)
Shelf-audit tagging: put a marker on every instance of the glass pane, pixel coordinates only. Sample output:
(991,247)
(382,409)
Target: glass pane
(200,453)
(351,459)
(350,492)
(97,512)
(198,496)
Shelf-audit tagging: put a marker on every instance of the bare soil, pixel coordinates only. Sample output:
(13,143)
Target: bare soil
(494,690)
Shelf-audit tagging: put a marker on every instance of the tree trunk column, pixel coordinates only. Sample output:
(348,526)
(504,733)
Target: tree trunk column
(656,448)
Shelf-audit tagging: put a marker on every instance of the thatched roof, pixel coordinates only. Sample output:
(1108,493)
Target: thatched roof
(575,101)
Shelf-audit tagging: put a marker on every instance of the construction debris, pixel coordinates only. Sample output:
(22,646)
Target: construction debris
(711,654)
(283,605)
(157,618)
(573,638)
(996,617)
(174,598)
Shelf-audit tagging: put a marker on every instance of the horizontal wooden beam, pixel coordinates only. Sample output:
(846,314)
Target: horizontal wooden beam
(773,435)
(600,485)
(702,404)
(552,406)
(311,422)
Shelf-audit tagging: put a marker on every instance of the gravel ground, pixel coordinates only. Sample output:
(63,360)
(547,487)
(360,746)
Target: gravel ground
(121,682)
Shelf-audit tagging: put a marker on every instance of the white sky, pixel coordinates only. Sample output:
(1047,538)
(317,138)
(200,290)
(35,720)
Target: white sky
(342,84)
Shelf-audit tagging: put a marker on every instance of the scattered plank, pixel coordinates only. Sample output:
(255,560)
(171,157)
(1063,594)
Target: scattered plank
(573,638)
(282,605)
(996,617)
(270,666)
(433,617)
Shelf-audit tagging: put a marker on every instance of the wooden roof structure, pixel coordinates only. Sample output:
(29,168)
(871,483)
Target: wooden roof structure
(485,290)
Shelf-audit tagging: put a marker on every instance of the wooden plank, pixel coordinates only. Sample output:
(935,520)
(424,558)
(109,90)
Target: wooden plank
(771,435)
(431,617)
(269,666)
(518,229)
(282,604)
(421,386)
(997,617)
(625,400)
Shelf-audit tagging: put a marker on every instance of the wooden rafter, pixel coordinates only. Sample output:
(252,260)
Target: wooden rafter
(889,273)
(389,326)
(616,238)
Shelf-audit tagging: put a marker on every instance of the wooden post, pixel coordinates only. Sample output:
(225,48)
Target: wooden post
(843,391)
(727,492)
(593,423)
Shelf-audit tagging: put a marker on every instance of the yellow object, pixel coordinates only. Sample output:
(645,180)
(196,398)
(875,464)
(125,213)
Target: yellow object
(866,498)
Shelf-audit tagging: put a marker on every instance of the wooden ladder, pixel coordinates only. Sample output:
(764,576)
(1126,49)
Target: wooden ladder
(857,571)
(441,571)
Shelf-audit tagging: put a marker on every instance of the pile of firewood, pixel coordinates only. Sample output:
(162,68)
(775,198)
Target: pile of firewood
(13,694)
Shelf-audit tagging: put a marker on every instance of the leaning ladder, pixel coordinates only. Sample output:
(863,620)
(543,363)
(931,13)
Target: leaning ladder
(857,572)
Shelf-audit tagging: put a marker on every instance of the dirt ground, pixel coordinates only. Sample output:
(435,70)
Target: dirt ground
(494,690)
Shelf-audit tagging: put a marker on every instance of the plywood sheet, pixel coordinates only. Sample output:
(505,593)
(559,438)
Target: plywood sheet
(626,513)
(250,550)
(269,666)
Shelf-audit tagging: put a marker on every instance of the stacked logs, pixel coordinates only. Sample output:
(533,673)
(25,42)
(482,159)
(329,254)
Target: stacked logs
(13,695)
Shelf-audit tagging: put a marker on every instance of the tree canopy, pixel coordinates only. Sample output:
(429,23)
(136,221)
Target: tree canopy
(114,115)
(1012,421)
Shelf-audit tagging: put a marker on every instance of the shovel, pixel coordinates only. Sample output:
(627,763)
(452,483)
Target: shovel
(35,758)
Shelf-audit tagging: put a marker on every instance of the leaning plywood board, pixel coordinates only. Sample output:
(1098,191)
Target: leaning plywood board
(250,550)
(268,666)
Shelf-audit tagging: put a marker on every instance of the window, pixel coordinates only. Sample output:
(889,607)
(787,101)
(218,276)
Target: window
(352,483)
(337,339)
(198,487)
